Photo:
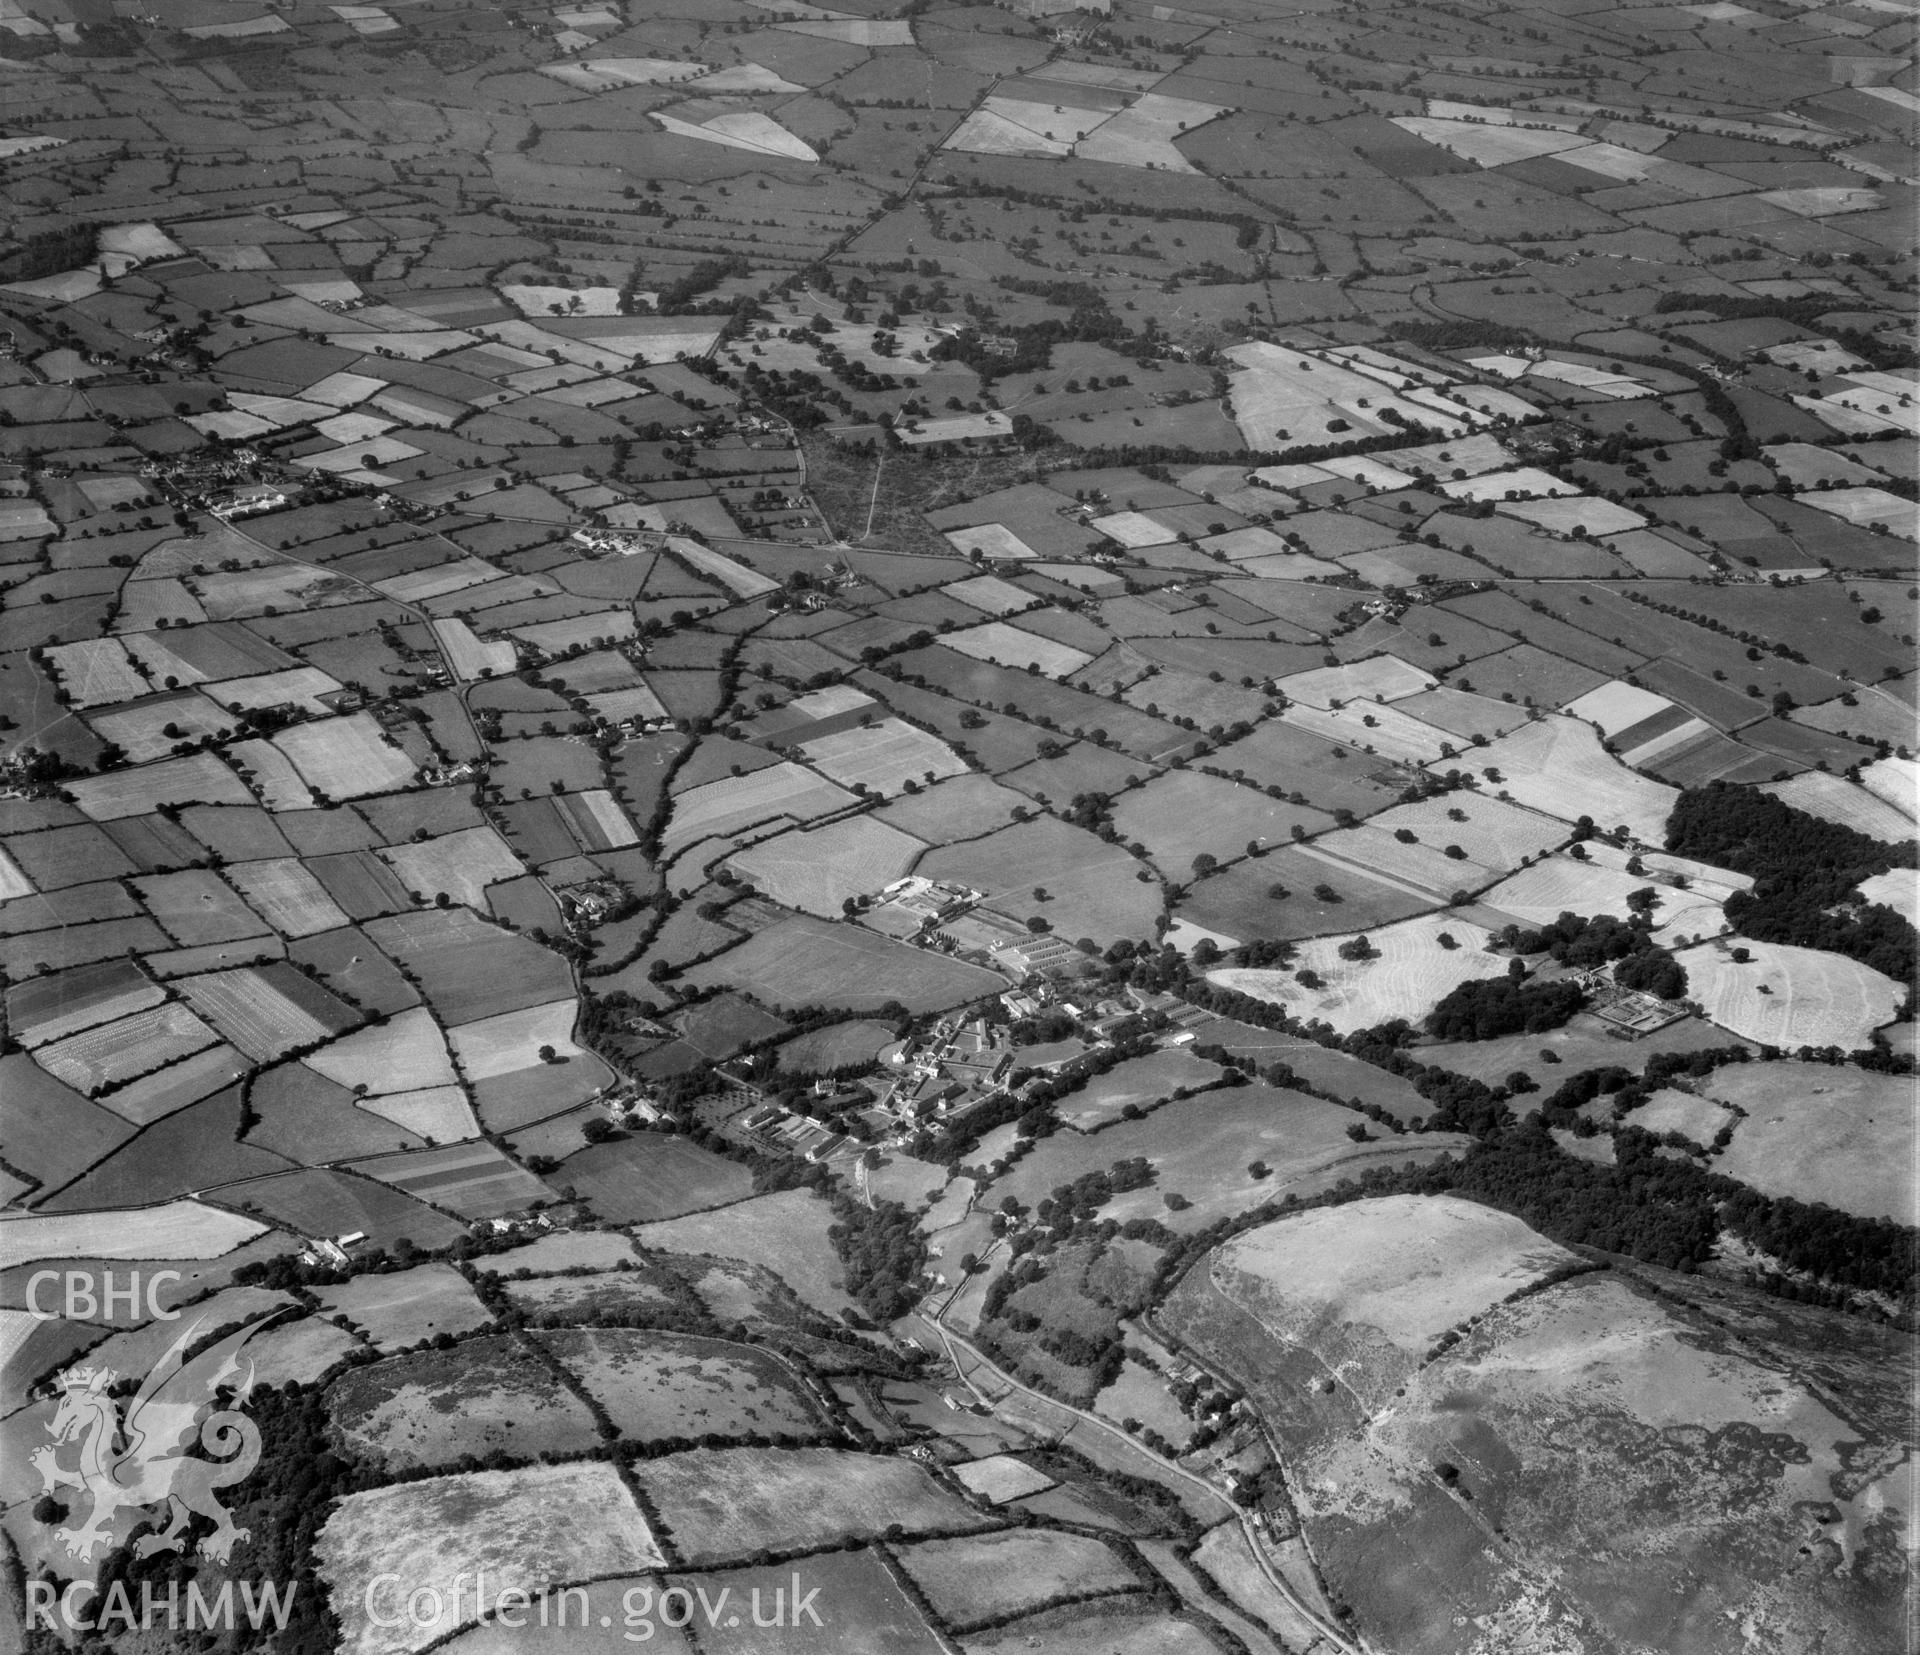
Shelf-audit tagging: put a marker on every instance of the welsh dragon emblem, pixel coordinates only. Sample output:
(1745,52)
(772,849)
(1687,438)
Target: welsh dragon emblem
(144,1459)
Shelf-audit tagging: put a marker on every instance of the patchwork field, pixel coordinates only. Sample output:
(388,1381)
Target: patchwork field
(1790,997)
(1819,1134)
(401,1055)
(177,1230)
(346,758)
(788,790)
(1201,1148)
(884,758)
(1556,765)
(662,1386)
(726,1503)
(978,1578)
(818,871)
(1142,1080)
(650,1176)
(515,1040)
(786,1232)
(1834,799)
(433,1408)
(803,962)
(474,1180)
(1185,814)
(1412,969)
(1092,888)
(406,1306)
(527,1529)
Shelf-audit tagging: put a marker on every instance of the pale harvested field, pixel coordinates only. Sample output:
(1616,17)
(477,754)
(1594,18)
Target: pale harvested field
(885,757)
(1898,888)
(1525,482)
(281,787)
(180,1229)
(1812,998)
(1278,389)
(723,1504)
(1462,713)
(461,864)
(959,808)
(1369,1286)
(1557,765)
(1575,511)
(986,133)
(119,1051)
(402,1307)
(470,656)
(1374,728)
(1835,799)
(991,595)
(199,778)
(1897,781)
(97,672)
(1412,973)
(345,758)
(786,1232)
(1379,678)
(302,686)
(1557,885)
(404,1054)
(512,1040)
(1616,706)
(1010,646)
(858,31)
(1817,1133)
(736,577)
(527,1529)
(818,871)
(251,1011)
(438,1114)
(1000,1478)
(1495,837)
(779,790)
(286,896)
(1143,136)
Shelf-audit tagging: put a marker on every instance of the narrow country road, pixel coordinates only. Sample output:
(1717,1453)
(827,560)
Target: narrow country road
(1333,1635)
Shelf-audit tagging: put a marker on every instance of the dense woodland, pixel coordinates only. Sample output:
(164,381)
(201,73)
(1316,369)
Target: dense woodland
(1489,1007)
(1805,875)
